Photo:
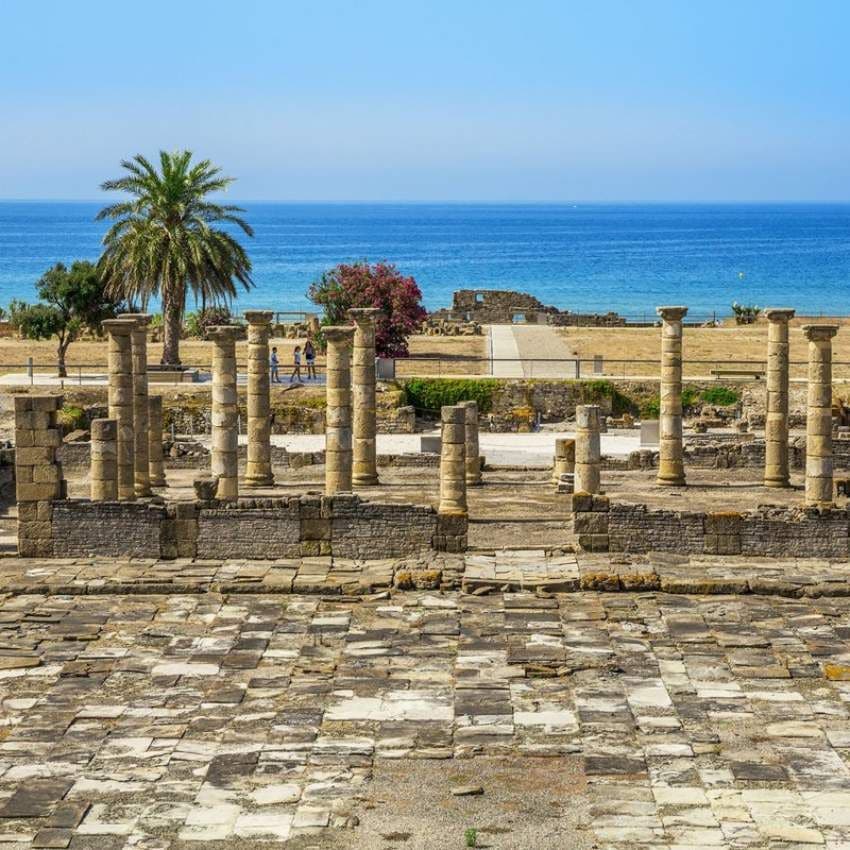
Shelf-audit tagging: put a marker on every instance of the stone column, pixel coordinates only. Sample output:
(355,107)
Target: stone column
(104,463)
(225,413)
(38,473)
(156,467)
(776,422)
(671,466)
(338,453)
(259,469)
(453,461)
(140,402)
(121,401)
(588,451)
(365,465)
(565,458)
(473,452)
(819,415)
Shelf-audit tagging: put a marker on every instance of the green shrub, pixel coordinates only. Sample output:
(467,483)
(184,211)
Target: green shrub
(433,393)
(721,396)
(72,418)
(650,408)
(690,397)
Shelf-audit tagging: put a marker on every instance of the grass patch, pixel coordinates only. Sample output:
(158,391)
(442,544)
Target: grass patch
(433,393)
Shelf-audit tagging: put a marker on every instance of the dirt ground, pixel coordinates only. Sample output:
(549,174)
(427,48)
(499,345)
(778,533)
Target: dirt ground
(722,345)
(527,803)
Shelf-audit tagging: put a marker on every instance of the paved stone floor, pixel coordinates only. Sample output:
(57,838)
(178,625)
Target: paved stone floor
(241,720)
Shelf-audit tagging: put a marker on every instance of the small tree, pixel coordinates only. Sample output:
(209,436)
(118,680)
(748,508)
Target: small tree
(73,301)
(380,285)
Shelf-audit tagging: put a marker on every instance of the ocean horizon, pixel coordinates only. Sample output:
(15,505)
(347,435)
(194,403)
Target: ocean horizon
(584,256)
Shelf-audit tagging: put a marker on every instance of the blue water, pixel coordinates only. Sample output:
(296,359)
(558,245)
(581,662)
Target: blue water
(624,257)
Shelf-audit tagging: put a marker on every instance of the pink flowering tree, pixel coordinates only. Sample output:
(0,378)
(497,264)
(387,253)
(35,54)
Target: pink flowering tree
(379,285)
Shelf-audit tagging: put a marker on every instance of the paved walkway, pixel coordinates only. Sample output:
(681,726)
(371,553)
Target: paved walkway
(161,722)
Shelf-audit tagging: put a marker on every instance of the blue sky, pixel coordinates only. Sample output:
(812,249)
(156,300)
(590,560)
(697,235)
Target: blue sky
(433,100)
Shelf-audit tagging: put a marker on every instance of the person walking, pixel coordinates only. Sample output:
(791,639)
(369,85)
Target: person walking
(310,358)
(274,365)
(296,372)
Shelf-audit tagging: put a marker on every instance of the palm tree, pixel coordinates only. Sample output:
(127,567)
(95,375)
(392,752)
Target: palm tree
(162,242)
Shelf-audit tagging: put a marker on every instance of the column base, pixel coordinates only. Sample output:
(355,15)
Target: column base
(776,482)
(365,480)
(158,482)
(143,492)
(671,480)
(255,482)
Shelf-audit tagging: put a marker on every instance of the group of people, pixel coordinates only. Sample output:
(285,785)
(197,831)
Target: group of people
(309,355)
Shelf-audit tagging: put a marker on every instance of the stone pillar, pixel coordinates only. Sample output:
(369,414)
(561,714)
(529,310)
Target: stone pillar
(365,464)
(225,413)
(338,453)
(473,452)
(140,402)
(671,465)
(819,415)
(588,450)
(38,473)
(104,460)
(776,422)
(121,401)
(565,458)
(259,469)
(453,461)
(156,467)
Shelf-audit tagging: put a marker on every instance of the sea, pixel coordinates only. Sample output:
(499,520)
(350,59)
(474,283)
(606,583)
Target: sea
(626,257)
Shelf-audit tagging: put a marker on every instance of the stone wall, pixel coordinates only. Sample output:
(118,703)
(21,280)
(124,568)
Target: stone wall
(292,527)
(112,529)
(604,526)
(501,306)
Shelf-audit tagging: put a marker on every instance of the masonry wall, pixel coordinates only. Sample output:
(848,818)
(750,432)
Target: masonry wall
(113,529)
(604,526)
(256,529)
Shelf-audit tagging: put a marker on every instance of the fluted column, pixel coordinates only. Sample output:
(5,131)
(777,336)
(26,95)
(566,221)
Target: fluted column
(365,462)
(453,461)
(338,454)
(776,422)
(156,466)
(104,466)
(140,402)
(819,415)
(671,465)
(473,453)
(259,469)
(565,458)
(588,449)
(225,413)
(121,401)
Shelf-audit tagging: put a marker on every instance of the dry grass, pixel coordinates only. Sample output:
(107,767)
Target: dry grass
(722,346)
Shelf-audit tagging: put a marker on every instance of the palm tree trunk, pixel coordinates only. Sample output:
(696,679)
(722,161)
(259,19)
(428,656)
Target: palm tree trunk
(172,320)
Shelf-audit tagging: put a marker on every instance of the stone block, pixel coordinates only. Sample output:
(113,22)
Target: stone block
(581,502)
(590,523)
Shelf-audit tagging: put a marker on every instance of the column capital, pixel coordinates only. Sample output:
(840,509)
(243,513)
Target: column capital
(364,315)
(778,314)
(223,333)
(119,327)
(142,320)
(258,317)
(339,334)
(820,332)
(672,314)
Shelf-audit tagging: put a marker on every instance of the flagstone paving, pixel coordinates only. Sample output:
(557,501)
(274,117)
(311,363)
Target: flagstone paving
(165,721)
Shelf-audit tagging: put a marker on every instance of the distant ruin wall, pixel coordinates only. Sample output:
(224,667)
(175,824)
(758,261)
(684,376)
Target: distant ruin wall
(501,306)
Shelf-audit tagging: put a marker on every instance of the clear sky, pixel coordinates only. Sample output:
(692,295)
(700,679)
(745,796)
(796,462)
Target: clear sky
(434,99)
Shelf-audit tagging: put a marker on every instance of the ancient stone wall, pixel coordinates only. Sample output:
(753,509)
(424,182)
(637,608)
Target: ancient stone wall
(292,527)
(112,529)
(603,526)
